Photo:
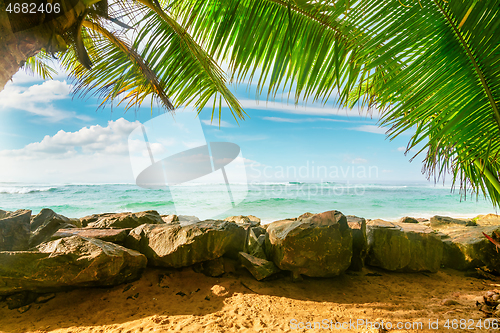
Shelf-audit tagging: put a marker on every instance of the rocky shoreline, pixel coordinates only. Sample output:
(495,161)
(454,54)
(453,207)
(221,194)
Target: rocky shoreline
(48,253)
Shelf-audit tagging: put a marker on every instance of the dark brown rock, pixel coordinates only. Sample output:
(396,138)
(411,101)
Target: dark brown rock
(438,222)
(408,219)
(123,220)
(258,267)
(15,230)
(69,263)
(170,219)
(467,248)
(170,245)
(359,242)
(116,236)
(212,268)
(45,224)
(403,247)
(317,245)
(255,242)
(250,219)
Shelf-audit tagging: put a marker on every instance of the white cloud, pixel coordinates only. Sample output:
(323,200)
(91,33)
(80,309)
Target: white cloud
(92,154)
(109,140)
(216,123)
(370,129)
(306,110)
(359,160)
(37,99)
(401,149)
(301,120)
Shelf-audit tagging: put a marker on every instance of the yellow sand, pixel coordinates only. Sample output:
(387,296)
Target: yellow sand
(238,303)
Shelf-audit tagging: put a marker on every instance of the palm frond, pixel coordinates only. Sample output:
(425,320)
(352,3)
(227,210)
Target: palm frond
(38,65)
(431,65)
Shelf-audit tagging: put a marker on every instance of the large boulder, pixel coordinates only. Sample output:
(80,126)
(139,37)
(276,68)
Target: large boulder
(69,263)
(15,230)
(171,245)
(116,236)
(45,224)
(439,222)
(122,220)
(404,247)
(317,245)
(489,219)
(359,242)
(467,248)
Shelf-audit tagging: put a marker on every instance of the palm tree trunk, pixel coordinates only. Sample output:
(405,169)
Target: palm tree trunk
(13,54)
(17,46)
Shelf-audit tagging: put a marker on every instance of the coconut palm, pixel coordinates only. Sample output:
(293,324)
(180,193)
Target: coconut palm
(116,59)
(431,67)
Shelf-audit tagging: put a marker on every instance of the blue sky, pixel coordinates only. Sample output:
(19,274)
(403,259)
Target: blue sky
(47,135)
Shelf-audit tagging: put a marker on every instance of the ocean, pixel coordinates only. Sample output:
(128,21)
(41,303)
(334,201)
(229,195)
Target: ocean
(268,201)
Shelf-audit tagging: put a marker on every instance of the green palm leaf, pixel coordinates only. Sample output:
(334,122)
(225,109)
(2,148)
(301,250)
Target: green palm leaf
(432,66)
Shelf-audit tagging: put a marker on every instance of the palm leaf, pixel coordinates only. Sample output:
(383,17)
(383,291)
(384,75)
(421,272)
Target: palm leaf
(432,66)
(161,61)
(38,65)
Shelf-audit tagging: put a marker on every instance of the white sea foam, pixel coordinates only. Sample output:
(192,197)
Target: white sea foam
(25,190)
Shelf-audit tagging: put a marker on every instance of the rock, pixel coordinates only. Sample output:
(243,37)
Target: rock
(489,219)
(255,242)
(318,245)
(170,219)
(125,220)
(116,236)
(15,230)
(44,298)
(250,219)
(449,302)
(303,216)
(212,268)
(408,219)
(258,267)
(21,299)
(85,221)
(5,213)
(438,222)
(23,309)
(467,248)
(359,242)
(69,263)
(170,245)
(403,247)
(219,290)
(45,224)
(187,219)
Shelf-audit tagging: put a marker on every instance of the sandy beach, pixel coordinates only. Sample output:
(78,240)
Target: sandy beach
(185,301)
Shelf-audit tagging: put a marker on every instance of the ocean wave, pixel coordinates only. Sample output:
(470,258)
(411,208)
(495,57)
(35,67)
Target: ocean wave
(26,190)
(147,204)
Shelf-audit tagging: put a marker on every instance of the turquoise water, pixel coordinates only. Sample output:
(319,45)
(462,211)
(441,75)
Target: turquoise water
(269,201)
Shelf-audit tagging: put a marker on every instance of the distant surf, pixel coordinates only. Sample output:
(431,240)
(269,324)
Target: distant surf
(270,201)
